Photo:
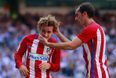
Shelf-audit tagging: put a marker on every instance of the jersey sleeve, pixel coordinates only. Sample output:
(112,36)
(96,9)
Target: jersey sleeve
(55,65)
(87,34)
(20,52)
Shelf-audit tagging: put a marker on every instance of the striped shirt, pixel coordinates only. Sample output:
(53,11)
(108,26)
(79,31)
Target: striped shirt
(37,53)
(94,51)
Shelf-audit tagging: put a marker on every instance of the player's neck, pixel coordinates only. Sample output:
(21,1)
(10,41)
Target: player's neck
(89,21)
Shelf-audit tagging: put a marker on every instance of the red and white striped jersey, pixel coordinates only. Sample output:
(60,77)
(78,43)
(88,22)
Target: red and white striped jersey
(37,53)
(94,51)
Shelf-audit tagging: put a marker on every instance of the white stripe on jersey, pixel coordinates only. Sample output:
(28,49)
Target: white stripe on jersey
(25,56)
(32,62)
(43,72)
(98,53)
(104,57)
(88,58)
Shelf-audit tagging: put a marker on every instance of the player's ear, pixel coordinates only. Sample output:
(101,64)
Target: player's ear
(84,13)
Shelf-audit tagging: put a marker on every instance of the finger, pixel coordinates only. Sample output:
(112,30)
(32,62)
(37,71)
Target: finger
(26,72)
(40,39)
(40,66)
(22,73)
(40,36)
(43,66)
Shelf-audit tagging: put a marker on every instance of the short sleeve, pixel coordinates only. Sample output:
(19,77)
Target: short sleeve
(87,34)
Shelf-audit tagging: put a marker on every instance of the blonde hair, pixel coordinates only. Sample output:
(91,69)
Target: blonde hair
(48,21)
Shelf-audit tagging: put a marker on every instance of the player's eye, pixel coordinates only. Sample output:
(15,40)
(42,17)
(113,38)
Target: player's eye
(49,31)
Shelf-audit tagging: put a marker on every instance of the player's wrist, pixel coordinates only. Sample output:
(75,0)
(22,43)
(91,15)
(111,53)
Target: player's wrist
(48,43)
(49,65)
(19,65)
(58,34)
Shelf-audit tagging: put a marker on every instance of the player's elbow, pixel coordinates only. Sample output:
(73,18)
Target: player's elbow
(57,68)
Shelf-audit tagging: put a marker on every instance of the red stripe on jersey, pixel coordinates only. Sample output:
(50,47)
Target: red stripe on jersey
(95,63)
(47,74)
(86,61)
(40,49)
(101,54)
(91,60)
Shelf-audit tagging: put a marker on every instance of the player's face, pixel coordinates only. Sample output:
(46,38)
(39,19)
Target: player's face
(46,31)
(79,17)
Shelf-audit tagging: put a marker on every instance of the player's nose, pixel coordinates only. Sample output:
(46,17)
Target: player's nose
(45,34)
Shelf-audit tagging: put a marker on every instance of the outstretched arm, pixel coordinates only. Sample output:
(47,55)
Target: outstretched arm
(70,45)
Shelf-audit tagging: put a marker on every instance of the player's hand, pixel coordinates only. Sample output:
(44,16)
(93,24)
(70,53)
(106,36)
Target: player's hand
(57,28)
(44,66)
(43,40)
(23,70)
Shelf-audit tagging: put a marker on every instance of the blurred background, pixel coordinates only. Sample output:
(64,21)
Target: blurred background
(19,18)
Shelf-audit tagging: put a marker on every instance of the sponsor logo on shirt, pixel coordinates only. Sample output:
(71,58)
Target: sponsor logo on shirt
(41,57)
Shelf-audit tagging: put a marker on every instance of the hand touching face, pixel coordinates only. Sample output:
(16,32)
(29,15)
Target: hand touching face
(42,39)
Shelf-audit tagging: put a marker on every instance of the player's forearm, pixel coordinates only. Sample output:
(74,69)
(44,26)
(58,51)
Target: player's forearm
(64,45)
(18,60)
(62,37)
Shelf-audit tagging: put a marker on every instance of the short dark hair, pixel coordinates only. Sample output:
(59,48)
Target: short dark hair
(87,7)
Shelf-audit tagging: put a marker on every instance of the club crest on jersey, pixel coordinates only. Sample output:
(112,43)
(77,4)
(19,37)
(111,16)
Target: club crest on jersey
(48,50)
